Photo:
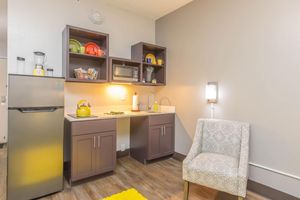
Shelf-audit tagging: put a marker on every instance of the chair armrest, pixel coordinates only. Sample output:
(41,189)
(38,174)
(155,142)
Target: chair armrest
(196,146)
(243,161)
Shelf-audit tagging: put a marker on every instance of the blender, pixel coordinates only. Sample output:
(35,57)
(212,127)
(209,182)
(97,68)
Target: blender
(39,60)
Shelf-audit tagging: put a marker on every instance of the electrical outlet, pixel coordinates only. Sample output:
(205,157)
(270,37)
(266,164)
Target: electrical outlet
(123,147)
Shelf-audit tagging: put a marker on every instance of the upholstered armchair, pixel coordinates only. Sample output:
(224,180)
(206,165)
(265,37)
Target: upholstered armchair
(218,157)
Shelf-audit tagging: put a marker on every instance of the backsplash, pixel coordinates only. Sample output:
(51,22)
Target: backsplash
(106,96)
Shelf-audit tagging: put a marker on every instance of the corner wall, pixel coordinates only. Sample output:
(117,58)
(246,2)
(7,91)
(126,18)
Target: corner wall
(37,25)
(252,49)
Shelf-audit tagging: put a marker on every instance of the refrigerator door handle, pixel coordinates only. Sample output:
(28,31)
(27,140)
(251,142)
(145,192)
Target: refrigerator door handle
(36,110)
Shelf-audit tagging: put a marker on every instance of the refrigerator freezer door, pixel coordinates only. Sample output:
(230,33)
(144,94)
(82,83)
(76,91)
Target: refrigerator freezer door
(31,91)
(35,153)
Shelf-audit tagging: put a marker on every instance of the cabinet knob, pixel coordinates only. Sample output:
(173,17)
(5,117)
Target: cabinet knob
(94,141)
(162,131)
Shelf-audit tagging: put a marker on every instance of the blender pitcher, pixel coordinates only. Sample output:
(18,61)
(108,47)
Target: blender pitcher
(39,60)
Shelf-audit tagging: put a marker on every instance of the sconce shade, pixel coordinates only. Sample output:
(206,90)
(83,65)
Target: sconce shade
(211,92)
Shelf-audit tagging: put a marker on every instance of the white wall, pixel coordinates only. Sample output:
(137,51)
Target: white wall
(252,49)
(3,28)
(38,25)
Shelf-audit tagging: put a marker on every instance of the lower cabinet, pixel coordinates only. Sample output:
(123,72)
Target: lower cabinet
(90,146)
(152,137)
(83,156)
(93,148)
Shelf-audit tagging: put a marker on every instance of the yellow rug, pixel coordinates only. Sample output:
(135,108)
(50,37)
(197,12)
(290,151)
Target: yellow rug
(130,194)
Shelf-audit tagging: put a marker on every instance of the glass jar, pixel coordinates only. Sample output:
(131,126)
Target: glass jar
(20,65)
(49,72)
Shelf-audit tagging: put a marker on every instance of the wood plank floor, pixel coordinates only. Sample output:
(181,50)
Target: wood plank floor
(156,181)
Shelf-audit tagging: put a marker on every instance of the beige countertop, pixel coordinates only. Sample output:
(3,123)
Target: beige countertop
(102,115)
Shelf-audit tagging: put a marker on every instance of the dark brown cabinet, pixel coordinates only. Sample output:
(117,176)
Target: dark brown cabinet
(83,156)
(76,59)
(106,153)
(93,148)
(151,137)
(166,146)
(155,134)
(139,53)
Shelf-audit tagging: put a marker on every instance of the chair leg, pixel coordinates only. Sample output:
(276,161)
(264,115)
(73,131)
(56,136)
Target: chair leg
(241,198)
(186,190)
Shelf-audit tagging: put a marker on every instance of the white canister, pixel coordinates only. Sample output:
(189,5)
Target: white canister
(20,65)
(135,102)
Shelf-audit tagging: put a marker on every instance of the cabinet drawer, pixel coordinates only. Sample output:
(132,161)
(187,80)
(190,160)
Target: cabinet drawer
(161,119)
(93,126)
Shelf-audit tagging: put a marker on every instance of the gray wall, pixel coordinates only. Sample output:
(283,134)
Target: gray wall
(3,28)
(252,48)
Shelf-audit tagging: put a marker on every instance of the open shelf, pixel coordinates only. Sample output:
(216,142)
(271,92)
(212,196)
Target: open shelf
(80,55)
(72,61)
(139,52)
(85,81)
(151,84)
(153,65)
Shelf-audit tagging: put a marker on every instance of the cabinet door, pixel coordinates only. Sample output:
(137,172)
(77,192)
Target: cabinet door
(167,140)
(83,156)
(155,133)
(106,151)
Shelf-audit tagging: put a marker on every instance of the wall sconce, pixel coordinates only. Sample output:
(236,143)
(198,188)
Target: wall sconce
(211,95)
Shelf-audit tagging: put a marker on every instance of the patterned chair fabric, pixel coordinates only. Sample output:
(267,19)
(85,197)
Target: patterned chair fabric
(218,157)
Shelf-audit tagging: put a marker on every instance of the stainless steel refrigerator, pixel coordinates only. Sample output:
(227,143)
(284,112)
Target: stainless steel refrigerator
(35,136)
(3,72)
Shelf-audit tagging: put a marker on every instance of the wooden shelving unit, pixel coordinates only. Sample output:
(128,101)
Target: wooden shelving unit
(139,52)
(104,64)
(73,61)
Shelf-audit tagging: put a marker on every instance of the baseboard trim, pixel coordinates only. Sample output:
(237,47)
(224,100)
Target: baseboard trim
(178,156)
(125,153)
(268,192)
(258,187)
(275,171)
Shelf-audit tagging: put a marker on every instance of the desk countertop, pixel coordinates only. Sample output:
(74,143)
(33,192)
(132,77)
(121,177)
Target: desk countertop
(102,115)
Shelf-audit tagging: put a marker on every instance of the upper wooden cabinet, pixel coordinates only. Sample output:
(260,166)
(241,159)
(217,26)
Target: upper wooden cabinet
(80,59)
(140,51)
